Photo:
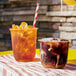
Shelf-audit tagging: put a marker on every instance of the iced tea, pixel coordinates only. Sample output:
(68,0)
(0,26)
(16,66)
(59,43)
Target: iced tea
(54,52)
(24,43)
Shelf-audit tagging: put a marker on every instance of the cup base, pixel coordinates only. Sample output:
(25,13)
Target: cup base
(25,60)
(54,66)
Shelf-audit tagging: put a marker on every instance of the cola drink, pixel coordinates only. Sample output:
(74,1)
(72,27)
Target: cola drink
(54,52)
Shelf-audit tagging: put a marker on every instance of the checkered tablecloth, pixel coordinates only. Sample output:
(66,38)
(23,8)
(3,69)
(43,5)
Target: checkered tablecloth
(10,67)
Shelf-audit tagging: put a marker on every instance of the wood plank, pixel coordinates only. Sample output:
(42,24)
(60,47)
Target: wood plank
(68,29)
(58,13)
(68,35)
(22,0)
(22,12)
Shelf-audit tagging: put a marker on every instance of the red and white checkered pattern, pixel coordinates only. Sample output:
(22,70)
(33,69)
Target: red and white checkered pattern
(10,67)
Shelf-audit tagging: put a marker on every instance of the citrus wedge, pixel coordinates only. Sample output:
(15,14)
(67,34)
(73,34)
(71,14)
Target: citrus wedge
(15,26)
(23,25)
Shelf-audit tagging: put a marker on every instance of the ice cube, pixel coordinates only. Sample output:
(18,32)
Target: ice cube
(20,34)
(46,39)
(49,49)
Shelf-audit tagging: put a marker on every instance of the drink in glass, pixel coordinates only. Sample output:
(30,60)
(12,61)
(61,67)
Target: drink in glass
(54,52)
(24,43)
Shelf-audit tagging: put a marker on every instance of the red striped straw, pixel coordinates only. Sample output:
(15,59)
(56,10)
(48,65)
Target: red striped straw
(36,13)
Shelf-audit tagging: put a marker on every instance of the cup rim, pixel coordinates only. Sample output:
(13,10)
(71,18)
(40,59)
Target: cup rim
(22,29)
(64,40)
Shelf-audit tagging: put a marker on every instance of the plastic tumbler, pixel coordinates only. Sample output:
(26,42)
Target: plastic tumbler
(24,44)
(54,52)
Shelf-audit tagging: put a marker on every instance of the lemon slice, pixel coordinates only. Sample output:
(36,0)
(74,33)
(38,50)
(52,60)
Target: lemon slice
(23,25)
(70,2)
(15,26)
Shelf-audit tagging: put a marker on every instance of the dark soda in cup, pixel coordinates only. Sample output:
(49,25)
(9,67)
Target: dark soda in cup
(54,52)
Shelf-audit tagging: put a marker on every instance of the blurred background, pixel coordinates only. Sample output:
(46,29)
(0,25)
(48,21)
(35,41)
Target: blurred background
(50,18)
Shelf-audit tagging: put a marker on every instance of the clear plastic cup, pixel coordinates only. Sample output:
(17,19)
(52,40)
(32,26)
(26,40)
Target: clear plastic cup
(54,52)
(24,44)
